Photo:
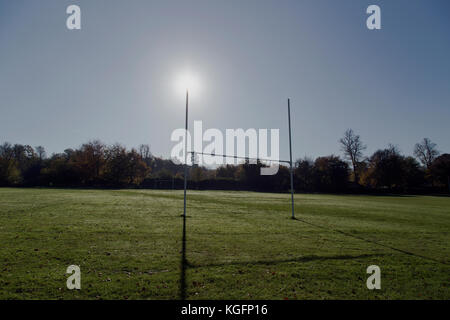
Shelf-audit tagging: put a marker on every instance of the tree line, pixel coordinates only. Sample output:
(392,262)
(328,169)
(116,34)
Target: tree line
(95,164)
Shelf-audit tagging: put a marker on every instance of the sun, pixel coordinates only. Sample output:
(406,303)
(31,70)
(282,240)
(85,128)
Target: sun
(187,81)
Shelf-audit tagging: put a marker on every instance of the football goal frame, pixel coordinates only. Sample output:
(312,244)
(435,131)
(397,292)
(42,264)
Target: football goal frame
(291,168)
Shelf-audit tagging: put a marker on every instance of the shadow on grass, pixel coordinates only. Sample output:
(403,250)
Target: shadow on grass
(371,241)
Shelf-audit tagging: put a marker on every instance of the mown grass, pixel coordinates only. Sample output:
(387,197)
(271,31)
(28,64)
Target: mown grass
(239,245)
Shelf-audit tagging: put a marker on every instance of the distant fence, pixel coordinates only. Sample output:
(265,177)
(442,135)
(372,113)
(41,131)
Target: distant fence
(205,184)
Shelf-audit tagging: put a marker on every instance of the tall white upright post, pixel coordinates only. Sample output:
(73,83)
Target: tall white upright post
(185,152)
(290,159)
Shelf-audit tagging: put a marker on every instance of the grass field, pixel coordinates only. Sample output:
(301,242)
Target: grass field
(239,245)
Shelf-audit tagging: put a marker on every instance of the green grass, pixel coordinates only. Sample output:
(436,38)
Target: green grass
(240,245)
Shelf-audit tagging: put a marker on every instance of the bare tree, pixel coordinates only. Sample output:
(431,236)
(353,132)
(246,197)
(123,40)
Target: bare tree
(353,148)
(146,155)
(40,151)
(426,152)
(144,151)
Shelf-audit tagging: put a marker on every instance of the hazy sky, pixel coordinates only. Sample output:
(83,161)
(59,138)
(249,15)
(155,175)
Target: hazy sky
(113,79)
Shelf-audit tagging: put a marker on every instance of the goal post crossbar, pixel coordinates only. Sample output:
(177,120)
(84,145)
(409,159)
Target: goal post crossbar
(237,157)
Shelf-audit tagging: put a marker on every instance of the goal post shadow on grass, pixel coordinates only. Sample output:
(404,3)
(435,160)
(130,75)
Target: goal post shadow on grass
(184,262)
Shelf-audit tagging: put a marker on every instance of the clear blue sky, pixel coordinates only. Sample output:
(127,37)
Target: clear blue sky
(112,80)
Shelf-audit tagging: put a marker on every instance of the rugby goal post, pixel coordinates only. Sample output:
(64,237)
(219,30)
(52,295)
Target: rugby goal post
(291,168)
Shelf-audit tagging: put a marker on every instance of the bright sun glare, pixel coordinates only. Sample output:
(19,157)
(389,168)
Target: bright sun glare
(187,81)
